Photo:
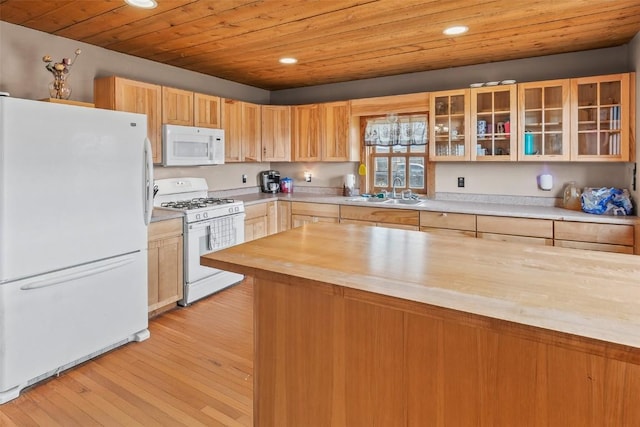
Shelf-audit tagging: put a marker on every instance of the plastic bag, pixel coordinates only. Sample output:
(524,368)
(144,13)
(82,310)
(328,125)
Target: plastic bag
(606,201)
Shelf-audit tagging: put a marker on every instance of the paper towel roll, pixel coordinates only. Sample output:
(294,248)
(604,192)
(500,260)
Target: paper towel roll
(350,180)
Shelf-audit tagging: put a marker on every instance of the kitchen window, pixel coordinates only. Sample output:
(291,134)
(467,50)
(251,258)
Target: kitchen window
(396,150)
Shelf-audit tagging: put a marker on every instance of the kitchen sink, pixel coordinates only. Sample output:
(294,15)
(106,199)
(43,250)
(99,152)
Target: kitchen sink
(403,201)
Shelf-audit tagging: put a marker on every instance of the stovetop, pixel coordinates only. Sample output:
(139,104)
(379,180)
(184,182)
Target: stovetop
(197,203)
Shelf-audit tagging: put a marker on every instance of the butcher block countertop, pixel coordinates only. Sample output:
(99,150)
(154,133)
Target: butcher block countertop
(586,293)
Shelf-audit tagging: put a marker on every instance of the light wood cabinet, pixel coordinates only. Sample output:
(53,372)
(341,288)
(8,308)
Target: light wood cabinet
(255,221)
(177,106)
(493,123)
(382,217)
(165,265)
(185,108)
(242,125)
(602,109)
(276,133)
(284,215)
(305,213)
(508,229)
(322,132)
(595,236)
(261,219)
(544,121)
(206,111)
(117,93)
(449,129)
(335,133)
(447,223)
(306,133)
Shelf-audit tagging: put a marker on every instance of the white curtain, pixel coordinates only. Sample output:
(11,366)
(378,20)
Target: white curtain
(397,130)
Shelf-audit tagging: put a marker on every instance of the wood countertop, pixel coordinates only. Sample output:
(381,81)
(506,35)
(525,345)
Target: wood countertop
(586,293)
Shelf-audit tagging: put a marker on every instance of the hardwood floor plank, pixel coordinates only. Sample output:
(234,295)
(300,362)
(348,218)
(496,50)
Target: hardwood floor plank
(196,369)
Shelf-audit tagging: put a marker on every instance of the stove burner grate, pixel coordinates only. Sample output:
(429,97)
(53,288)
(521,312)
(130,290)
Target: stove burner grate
(201,202)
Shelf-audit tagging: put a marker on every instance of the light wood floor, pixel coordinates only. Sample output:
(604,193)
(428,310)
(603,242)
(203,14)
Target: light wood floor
(196,369)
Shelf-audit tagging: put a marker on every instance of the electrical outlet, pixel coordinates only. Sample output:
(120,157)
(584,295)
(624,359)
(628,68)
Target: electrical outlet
(461,181)
(244,178)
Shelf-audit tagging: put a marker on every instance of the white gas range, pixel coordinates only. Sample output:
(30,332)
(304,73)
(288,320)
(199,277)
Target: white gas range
(210,224)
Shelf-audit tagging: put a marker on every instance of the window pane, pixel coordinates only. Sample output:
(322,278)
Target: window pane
(416,172)
(399,149)
(399,171)
(382,149)
(418,149)
(381,172)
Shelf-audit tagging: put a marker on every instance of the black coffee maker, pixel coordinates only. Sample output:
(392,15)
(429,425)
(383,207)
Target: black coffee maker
(270,181)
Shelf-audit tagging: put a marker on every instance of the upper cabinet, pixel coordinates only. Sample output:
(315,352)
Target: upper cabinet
(334,131)
(449,129)
(306,133)
(276,133)
(185,108)
(321,132)
(601,108)
(116,93)
(493,114)
(177,106)
(544,121)
(206,111)
(242,125)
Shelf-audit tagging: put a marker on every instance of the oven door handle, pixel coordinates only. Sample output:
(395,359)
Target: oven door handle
(209,238)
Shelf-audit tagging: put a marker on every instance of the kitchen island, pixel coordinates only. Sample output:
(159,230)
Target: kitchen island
(359,325)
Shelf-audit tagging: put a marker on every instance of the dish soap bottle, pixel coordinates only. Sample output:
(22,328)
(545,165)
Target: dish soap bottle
(571,199)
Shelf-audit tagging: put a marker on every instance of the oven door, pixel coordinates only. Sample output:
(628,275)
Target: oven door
(208,236)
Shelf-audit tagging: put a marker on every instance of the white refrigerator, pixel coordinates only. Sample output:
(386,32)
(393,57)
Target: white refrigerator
(75,202)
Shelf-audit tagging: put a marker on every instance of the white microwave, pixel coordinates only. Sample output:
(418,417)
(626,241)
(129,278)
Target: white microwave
(192,146)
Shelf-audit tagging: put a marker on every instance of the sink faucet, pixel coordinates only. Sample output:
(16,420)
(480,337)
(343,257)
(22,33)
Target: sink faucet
(393,190)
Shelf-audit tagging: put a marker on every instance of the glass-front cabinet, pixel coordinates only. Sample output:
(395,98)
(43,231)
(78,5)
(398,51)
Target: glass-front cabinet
(493,123)
(449,130)
(543,122)
(600,118)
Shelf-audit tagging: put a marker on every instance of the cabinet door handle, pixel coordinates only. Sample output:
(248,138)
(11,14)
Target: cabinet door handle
(443,214)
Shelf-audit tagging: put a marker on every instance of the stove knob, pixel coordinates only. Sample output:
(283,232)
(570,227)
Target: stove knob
(206,215)
(197,216)
(230,210)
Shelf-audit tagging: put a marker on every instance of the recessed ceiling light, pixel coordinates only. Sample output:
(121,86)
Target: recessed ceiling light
(288,60)
(455,30)
(145,4)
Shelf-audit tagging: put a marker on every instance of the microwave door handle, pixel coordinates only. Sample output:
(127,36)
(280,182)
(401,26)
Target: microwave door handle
(211,148)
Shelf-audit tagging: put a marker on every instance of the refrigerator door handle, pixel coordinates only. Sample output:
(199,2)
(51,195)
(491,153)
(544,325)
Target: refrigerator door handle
(85,272)
(148,182)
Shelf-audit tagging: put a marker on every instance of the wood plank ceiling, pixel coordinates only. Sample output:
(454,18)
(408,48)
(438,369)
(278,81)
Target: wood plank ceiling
(333,40)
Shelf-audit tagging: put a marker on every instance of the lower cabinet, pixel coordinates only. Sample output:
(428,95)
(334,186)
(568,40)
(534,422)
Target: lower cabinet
(594,236)
(284,215)
(165,256)
(522,230)
(305,213)
(262,219)
(255,221)
(449,224)
(381,217)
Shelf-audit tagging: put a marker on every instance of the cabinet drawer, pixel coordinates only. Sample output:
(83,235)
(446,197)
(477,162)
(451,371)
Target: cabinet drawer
(516,239)
(602,247)
(454,221)
(515,226)
(393,216)
(255,211)
(164,229)
(448,232)
(315,209)
(614,234)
